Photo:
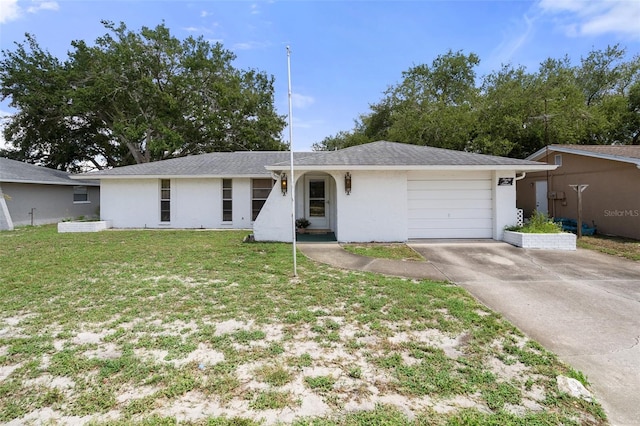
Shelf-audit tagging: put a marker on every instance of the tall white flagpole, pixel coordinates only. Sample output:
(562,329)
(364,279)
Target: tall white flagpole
(292,184)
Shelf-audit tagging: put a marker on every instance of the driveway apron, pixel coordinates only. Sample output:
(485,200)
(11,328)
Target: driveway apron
(582,305)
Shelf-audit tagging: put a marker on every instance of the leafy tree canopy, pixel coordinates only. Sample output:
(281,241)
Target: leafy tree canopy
(510,111)
(134,97)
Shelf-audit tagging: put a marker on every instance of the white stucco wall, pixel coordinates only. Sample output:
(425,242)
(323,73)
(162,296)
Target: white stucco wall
(274,223)
(504,204)
(376,209)
(130,203)
(49,203)
(195,203)
(6,224)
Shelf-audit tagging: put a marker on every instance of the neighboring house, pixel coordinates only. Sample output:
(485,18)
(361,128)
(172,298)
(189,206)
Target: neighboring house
(381,191)
(612,199)
(33,195)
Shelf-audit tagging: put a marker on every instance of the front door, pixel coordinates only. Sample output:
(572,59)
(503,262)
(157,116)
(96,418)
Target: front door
(542,203)
(317,202)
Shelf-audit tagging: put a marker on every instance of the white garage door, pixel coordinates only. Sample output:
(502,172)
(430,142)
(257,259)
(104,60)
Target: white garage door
(450,205)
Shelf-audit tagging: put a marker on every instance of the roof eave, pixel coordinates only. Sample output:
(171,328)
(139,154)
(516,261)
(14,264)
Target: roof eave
(123,177)
(521,167)
(43,182)
(536,156)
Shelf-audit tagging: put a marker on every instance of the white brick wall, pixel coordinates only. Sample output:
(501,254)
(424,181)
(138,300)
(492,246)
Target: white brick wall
(95,226)
(561,241)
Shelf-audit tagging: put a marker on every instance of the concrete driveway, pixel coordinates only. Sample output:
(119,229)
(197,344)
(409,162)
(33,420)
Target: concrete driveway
(582,305)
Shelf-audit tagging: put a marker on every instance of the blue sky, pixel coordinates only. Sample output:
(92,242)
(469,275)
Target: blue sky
(344,54)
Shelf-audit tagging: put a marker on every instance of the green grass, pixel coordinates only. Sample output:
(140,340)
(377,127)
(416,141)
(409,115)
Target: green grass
(145,323)
(615,246)
(384,251)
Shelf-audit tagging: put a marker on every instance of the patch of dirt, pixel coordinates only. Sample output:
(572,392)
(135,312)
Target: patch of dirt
(53,382)
(88,337)
(231,326)
(6,370)
(106,351)
(129,393)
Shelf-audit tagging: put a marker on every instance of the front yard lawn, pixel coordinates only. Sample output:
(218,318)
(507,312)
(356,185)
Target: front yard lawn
(397,251)
(616,246)
(196,327)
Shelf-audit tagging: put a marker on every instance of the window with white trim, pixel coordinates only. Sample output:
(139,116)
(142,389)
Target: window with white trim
(227,201)
(260,190)
(165,200)
(80,194)
(557,160)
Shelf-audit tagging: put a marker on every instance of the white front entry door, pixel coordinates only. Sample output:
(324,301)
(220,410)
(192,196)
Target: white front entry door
(317,202)
(542,203)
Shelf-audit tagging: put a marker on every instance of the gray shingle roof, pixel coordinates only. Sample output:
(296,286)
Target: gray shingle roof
(254,163)
(385,153)
(19,172)
(243,163)
(628,151)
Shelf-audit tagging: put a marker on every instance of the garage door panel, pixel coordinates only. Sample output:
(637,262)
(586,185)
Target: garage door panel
(450,223)
(439,185)
(448,176)
(455,206)
(479,194)
(463,233)
(450,204)
(450,214)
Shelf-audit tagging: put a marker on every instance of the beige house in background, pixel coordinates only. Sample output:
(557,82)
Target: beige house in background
(612,199)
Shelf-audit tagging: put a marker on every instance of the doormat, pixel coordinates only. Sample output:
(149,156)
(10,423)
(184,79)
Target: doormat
(324,237)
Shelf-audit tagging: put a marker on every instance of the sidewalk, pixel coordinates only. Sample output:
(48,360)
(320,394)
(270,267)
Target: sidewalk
(334,255)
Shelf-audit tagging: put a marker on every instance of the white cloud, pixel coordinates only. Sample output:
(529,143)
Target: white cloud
(518,36)
(204,14)
(197,30)
(255,10)
(9,10)
(301,101)
(4,120)
(596,17)
(250,45)
(43,5)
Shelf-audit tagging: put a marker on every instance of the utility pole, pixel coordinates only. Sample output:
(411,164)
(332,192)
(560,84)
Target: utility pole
(292,186)
(579,190)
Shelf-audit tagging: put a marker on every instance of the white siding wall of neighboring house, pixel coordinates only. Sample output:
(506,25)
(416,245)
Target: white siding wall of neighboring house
(450,205)
(195,203)
(49,203)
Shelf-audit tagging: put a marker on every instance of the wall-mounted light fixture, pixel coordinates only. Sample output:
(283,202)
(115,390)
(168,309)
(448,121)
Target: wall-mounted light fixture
(283,183)
(347,183)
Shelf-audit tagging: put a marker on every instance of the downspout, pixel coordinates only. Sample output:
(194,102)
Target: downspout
(525,173)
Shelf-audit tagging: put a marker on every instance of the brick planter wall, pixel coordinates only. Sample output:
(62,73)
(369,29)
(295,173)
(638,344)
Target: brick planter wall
(561,241)
(84,226)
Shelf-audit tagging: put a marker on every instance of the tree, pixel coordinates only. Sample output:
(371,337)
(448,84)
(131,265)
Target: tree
(435,105)
(133,98)
(513,112)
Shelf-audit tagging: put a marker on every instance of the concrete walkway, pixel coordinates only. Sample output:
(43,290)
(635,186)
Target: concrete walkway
(582,305)
(333,254)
